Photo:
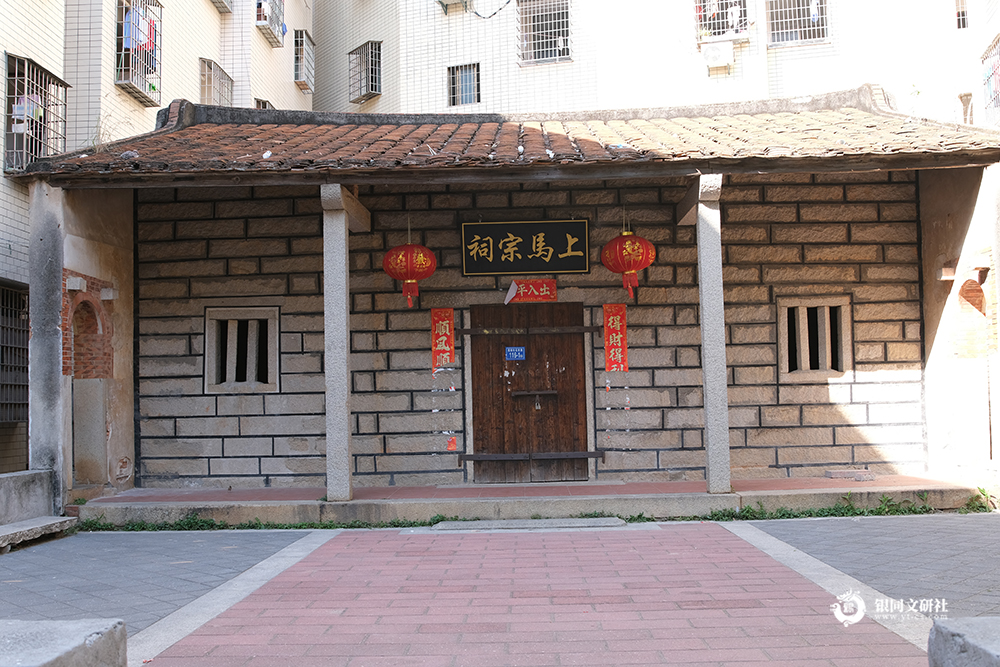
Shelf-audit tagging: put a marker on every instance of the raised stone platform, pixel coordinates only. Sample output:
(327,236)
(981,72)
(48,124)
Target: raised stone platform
(32,529)
(965,642)
(532,524)
(92,642)
(493,502)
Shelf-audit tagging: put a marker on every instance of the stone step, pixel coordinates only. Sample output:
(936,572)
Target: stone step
(965,642)
(532,524)
(32,529)
(91,642)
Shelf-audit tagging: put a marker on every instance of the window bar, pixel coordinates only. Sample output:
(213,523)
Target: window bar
(824,341)
(35,119)
(253,339)
(801,320)
(13,356)
(232,349)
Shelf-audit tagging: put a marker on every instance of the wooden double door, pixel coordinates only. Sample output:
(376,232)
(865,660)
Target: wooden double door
(529,402)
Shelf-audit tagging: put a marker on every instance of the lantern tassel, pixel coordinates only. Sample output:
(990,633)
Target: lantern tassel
(630,279)
(410,291)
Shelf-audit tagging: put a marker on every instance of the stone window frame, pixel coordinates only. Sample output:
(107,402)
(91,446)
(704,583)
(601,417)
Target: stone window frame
(834,358)
(214,346)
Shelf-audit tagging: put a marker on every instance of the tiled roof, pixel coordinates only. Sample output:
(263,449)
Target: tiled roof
(778,135)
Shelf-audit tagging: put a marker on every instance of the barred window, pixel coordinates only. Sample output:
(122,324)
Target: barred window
(216,85)
(304,47)
(991,82)
(139,50)
(271,21)
(13,355)
(716,18)
(814,338)
(365,67)
(543,27)
(796,21)
(34,114)
(463,84)
(262,104)
(224,6)
(962,13)
(241,350)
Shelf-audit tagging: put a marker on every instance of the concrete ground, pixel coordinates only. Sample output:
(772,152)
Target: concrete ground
(669,593)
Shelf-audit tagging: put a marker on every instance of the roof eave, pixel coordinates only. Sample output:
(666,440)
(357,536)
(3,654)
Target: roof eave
(131,178)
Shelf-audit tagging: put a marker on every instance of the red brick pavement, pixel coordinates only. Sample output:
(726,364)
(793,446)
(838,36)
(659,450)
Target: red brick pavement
(686,594)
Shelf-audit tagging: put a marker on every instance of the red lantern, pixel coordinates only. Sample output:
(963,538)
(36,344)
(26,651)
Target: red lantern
(627,254)
(409,262)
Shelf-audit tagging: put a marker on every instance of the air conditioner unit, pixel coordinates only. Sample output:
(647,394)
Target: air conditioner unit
(456,6)
(718,54)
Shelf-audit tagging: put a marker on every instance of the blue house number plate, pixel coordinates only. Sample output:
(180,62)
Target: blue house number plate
(515,354)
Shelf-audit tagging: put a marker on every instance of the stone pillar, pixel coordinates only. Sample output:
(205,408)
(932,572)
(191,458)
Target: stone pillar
(713,333)
(342,212)
(47,392)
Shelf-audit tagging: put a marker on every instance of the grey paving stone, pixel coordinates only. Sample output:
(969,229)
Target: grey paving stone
(940,556)
(140,577)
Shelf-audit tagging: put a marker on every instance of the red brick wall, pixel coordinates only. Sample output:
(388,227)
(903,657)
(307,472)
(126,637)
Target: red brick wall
(86,330)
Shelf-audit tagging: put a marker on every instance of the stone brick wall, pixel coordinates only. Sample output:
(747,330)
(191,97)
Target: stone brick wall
(784,235)
(232,247)
(827,234)
(799,234)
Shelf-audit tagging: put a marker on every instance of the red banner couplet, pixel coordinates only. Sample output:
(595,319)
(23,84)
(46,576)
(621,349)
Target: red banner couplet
(615,338)
(442,336)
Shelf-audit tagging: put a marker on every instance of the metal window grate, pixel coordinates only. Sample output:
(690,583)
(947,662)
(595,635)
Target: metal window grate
(365,66)
(271,21)
(543,31)
(962,13)
(139,49)
(262,104)
(991,82)
(224,6)
(796,21)
(716,18)
(216,85)
(34,114)
(13,355)
(304,61)
(463,84)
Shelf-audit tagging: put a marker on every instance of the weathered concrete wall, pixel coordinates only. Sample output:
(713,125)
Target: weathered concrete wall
(26,495)
(98,248)
(230,247)
(959,237)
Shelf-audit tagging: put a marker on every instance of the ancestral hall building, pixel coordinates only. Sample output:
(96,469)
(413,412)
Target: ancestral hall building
(822,297)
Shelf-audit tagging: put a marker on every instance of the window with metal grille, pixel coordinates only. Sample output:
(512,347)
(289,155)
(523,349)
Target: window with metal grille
(814,339)
(13,355)
(139,50)
(304,48)
(991,82)
(463,84)
(796,21)
(34,114)
(365,67)
(717,18)
(224,6)
(216,85)
(262,104)
(271,21)
(543,27)
(241,350)
(962,13)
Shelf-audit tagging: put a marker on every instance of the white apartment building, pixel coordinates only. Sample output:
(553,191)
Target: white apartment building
(516,56)
(81,73)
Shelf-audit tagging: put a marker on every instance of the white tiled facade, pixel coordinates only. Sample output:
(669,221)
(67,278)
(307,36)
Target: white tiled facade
(646,53)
